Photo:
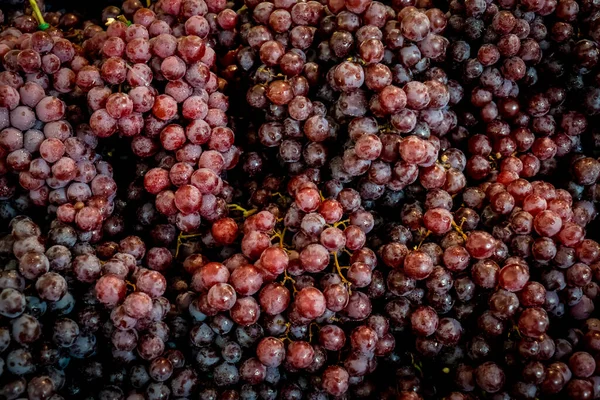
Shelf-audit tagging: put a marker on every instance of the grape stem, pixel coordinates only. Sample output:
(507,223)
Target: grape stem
(277,194)
(444,162)
(423,239)
(118,18)
(515,331)
(42,25)
(245,213)
(384,128)
(357,60)
(416,365)
(338,269)
(180,239)
(286,334)
(458,228)
(271,74)
(281,236)
(310,331)
(124,20)
(74,35)
(494,160)
(288,278)
(343,223)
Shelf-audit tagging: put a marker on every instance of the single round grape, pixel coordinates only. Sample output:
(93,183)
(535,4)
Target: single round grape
(13,303)
(310,302)
(65,332)
(137,305)
(274,298)
(424,321)
(418,265)
(480,244)
(490,377)
(51,286)
(335,380)
(271,351)
(300,354)
(221,297)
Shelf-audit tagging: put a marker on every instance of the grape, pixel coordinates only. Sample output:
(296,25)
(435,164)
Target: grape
(335,380)
(110,290)
(513,277)
(49,109)
(51,286)
(26,329)
(245,311)
(226,374)
(150,346)
(65,332)
(32,265)
(252,371)
(246,280)
(221,297)
(137,305)
(480,244)
(310,303)
(271,352)
(209,275)
(300,354)
(274,298)
(363,339)
(13,302)
(153,283)
(358,306)
(418,265)
(489,377)
(424,321)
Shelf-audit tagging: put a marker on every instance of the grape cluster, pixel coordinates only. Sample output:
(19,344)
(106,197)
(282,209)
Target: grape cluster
(497,62)
(47,327)
(280,278)
(47,148)
(515,268)
(161,67)
(370,87)
(291,199)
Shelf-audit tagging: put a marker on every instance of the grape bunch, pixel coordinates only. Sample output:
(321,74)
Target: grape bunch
(48,150)
(378,87)
(162,67)
(274,279)
(47,327)
(261,200)
(501,54)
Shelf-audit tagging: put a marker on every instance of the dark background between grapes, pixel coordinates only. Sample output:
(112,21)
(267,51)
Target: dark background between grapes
(118,153)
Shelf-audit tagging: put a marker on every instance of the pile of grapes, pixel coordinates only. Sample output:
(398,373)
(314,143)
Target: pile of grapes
(300,200)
